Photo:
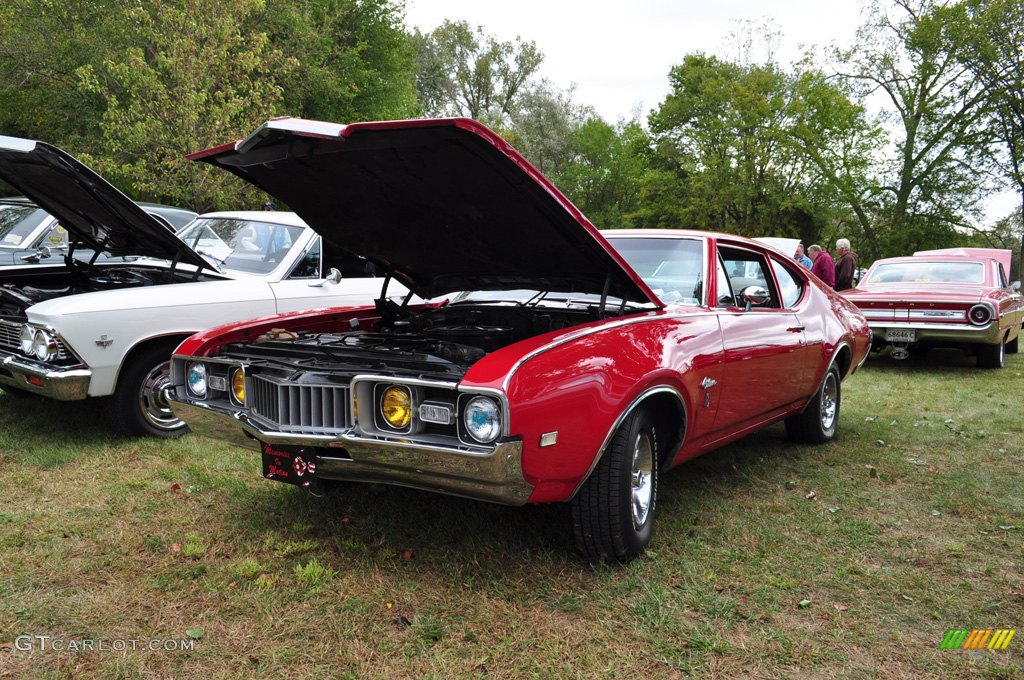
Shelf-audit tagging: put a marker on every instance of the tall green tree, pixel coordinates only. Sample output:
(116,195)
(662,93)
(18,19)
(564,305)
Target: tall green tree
(604,179)
(737,139)
(193,79)
(467,72)
(42,45)
(355,60)
(932,182)
(987,37)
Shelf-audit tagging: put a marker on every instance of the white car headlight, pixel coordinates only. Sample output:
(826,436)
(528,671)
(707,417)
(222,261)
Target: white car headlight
(482,419)
(195,376)
(44,346)
(27,338)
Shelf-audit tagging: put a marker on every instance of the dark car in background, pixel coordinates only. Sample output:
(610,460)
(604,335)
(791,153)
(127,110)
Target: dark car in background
(30,235)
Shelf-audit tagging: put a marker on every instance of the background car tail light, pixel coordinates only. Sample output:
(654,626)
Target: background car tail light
(980,315)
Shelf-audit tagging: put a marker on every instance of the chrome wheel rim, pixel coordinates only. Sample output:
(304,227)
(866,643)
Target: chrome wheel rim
(153,398)
(642,479)
(829,402)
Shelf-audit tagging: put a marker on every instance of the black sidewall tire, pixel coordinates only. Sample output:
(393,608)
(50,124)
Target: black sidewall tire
(602,509)
(992,356)
(807,427)
(122,410)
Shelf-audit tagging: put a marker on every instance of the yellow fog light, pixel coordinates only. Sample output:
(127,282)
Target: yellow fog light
(396,407)
(238,386)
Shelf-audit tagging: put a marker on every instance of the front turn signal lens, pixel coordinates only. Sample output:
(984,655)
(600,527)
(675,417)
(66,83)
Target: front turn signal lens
(396,407)
(238,386)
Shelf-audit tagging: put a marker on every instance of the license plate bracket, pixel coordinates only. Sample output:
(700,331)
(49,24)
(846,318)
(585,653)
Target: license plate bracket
(900,335)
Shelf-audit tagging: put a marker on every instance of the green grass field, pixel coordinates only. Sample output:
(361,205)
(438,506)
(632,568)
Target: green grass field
(770,560)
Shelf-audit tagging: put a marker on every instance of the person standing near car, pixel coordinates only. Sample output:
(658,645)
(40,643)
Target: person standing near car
(800,257)
(823,267)
(846,265)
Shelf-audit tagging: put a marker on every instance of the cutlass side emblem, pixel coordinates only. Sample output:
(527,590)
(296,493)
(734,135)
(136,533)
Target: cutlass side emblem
(104,342)
(707,384)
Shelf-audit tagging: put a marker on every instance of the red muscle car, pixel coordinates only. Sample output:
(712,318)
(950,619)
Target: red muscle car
(955,297)
(552,364)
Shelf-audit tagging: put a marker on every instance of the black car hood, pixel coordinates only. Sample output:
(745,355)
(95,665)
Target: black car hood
(444,204)
(99,216)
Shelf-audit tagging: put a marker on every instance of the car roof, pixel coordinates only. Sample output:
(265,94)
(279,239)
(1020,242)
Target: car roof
(276,216)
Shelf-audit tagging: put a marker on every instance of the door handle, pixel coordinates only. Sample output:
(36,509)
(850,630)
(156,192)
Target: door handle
(795,329)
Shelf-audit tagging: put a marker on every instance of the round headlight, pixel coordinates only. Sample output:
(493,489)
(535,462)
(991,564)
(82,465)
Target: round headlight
(238,386)
(980,315)
(196,378)
(44,347)
(396,407)
(482,419)
(27,338)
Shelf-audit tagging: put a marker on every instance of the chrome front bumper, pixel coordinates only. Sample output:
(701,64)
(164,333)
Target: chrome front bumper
(933,332)
(495,476)
(64,384)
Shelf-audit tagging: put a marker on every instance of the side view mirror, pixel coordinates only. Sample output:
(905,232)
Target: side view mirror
(333,276)
(1016,286)
(42,253)
(754,296)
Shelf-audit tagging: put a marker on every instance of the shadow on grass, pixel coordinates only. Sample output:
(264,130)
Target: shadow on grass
(937,362)
(50,434)
(477,539)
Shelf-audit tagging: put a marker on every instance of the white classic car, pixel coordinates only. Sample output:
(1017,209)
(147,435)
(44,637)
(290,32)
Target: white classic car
(102,328)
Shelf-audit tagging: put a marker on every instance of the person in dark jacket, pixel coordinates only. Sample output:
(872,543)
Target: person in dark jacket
(823,267)
(846,265)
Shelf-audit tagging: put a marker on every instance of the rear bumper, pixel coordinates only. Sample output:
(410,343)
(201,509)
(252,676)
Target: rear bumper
(64,384)
(942,333)
(495,476)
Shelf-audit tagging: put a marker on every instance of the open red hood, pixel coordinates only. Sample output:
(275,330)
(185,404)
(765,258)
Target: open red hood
(444,204)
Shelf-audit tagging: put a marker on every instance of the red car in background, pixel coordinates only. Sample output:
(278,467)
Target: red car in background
(955,297)
(553,364)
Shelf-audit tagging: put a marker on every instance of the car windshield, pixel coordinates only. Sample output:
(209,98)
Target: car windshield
(248,246)
(671,267)
(17,222)
(928,272)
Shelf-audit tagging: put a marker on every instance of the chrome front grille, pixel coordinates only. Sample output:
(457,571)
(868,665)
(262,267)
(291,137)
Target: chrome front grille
(9,335)
(10,339)
(307,409)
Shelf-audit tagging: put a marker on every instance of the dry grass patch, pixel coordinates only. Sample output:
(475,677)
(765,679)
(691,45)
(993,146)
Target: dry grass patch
(771,560)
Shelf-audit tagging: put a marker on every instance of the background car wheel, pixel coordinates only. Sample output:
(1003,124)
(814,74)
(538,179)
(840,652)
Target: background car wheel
(1013,346)
(139,406)
(992,356)
(613,512)
(818,423)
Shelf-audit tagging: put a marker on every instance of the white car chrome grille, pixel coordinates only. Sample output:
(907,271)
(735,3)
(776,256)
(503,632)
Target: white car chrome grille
(309,409)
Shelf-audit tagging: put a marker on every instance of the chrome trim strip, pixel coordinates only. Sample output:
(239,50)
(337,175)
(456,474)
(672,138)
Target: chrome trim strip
(658,389)
(937,314)
(931,326)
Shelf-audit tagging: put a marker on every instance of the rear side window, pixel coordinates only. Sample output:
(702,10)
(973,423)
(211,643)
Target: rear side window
(791,286)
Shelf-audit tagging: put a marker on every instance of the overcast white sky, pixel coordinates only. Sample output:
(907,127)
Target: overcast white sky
(618,53)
